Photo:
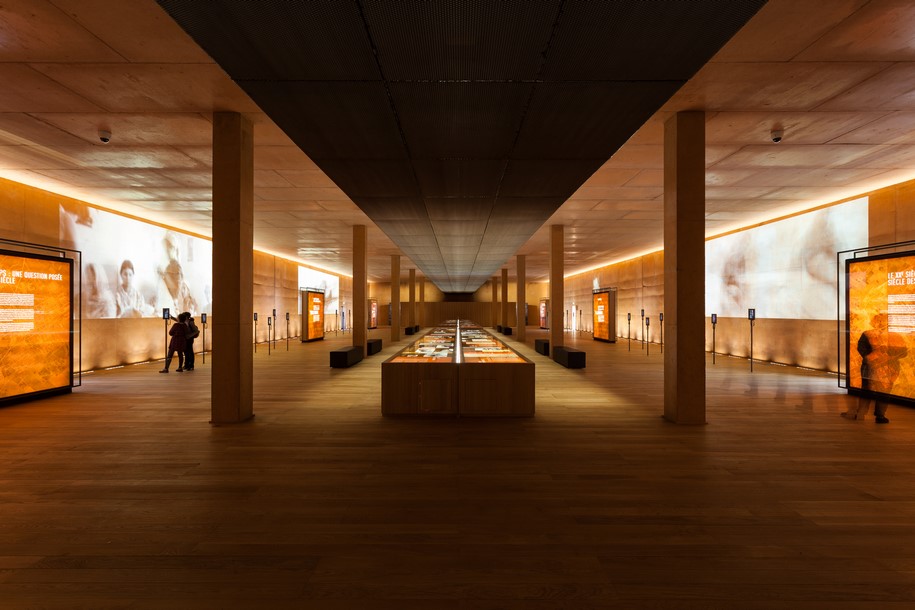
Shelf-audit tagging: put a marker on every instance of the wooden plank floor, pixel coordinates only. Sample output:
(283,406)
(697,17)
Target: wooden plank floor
(123,496)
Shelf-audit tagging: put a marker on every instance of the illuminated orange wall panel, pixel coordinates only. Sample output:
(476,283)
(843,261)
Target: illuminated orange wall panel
(35,314)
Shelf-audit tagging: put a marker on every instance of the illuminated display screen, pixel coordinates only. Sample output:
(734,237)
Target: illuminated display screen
(881,324)
(373,314)
(601,307)
(544,307)
(35,322)
(785,269)
(313,304)
(132,269)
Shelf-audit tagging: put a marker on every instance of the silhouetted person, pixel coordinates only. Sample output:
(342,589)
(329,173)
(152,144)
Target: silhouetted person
(881,354)
(177,344)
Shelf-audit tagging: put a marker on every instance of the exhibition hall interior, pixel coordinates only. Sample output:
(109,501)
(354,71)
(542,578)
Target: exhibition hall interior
(522,304)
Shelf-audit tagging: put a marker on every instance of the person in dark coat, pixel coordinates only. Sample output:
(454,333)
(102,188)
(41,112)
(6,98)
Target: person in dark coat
(177,344)
(192,333)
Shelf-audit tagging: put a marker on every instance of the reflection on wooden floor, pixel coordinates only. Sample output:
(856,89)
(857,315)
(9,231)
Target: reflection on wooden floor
(122,495)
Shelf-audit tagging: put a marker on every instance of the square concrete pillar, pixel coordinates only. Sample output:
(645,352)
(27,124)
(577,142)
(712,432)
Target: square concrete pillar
(521,298)
(395,297)
(232,392)
(684,268)
(557,285)
(359,322)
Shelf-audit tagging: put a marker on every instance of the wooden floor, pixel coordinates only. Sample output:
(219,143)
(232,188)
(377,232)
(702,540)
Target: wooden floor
(123,496)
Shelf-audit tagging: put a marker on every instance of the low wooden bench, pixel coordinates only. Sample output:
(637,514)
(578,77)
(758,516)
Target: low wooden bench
(569,357)
(345,357)
(373,346)
(542,346)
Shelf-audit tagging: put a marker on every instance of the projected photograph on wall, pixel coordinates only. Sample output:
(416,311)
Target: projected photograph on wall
(133,269)
(881,324)
(785,269)
(36,352)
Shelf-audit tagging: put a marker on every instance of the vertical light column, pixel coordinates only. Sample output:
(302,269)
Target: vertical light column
(395,297)
(557,288)
(504,298)
(495,301)
(684,268)
(521,296)
(232,388)
(359,322)
(411,310)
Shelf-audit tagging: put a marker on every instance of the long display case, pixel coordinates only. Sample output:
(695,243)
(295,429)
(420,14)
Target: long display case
(458,368)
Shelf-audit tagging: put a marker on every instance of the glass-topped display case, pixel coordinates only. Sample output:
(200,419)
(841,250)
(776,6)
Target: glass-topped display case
(458,368)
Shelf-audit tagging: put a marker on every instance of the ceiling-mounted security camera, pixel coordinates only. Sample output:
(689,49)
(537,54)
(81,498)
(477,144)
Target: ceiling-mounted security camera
(777,135)
(104,135)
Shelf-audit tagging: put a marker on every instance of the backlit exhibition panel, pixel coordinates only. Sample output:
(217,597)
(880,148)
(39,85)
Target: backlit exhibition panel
(881,325)
(604,311)
(313,314)
(544,313)
(36,351)
(458,368)
(373,313)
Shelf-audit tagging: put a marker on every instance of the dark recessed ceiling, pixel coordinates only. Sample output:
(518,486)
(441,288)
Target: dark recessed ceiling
(459,127)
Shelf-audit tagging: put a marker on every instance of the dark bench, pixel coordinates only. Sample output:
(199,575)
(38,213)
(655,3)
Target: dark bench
(409,330)
(506,330)
(542,346)
(416,328)
(373,346)
(498,327)
(569,357)
(345,357)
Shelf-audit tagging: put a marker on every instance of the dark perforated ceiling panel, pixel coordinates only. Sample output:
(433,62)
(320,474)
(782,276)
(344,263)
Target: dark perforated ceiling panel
(460,126)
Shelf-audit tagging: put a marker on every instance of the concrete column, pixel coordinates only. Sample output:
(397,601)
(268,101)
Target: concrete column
(411,310)
(495,301)
(232,388)
(504,298)
(359,322)
(521,298)
(557,287)
(395,297)
(684,268)
(421,318)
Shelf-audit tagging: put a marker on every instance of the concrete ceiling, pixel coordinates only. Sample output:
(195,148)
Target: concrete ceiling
(460,127)
(838,77)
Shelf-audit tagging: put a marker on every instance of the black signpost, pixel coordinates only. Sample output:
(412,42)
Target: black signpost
(751,315)
(643,329)
(714,323)
(166,316)
(287,331)
(203,321)
(274,329)
(255,332)
(629,329)
(647,338)
(661,322)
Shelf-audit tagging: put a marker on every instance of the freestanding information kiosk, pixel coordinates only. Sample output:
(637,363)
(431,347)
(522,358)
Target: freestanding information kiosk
(604,310)
(36,324)
(312,314)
